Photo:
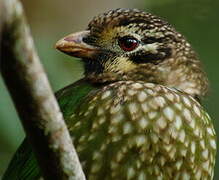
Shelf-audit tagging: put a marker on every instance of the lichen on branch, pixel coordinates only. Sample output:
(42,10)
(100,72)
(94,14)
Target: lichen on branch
(36,105)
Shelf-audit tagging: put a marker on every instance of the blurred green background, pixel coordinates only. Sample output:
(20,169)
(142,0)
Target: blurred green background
(50,20)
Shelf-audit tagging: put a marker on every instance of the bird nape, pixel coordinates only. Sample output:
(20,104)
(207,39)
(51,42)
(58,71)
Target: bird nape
(136,114)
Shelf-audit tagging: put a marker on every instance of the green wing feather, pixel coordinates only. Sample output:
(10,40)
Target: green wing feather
(24,165)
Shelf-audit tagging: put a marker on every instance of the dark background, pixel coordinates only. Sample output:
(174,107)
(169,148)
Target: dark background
(50,20)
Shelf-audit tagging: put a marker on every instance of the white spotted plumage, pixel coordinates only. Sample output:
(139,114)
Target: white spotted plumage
(150,125)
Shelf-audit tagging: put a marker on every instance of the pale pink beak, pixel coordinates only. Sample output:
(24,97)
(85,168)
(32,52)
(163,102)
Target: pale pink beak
(74,45)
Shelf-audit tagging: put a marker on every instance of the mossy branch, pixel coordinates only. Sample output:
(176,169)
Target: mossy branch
(32,95)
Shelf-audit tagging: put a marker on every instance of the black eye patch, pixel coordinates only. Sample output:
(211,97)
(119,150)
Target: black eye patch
(146,57)
(151,40)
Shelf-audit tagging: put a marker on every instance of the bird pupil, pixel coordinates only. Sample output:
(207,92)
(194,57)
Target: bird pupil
(128,43)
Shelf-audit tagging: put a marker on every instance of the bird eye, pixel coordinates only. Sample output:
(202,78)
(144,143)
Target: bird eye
(128,43)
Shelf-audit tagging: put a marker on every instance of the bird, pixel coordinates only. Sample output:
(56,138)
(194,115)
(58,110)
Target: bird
(137,112)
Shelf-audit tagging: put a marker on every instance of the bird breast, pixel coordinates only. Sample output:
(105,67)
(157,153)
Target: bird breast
(138,130)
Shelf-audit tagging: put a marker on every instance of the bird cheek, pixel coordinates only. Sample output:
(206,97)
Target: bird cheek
(120,64)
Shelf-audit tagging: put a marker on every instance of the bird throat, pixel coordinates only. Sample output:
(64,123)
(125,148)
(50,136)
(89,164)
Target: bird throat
(192,82)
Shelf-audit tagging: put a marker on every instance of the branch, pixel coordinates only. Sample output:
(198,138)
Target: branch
(34,100)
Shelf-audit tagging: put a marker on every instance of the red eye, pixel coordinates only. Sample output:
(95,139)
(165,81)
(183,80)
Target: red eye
(128,43)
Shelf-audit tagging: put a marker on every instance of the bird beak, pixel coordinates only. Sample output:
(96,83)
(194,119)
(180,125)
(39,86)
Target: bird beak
(74,45)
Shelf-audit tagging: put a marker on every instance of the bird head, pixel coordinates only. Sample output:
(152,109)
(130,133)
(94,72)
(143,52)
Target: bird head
(129,44)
